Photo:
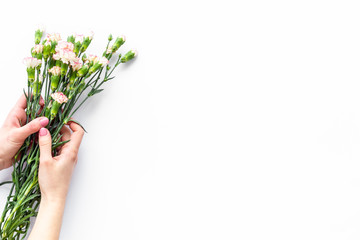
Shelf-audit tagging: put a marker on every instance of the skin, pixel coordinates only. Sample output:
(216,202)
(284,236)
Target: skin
(54,179)
(54,172)
(13,135)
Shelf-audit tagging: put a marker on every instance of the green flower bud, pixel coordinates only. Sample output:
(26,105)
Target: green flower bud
(118,42)
(64,68)
(47,111)
(36,88)
(83,58)
(54,82)
(53,46)
(38,35)
(110,37)
(72,78)
(83,71)
(31,74)
(94,68)
(85,44)
(47,50)
(77,47)
(71,39)
(128,56)
(54,109)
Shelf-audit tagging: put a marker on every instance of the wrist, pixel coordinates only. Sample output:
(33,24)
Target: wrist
(55,202)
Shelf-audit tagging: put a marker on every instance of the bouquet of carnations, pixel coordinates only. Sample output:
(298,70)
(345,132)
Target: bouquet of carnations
(61,77)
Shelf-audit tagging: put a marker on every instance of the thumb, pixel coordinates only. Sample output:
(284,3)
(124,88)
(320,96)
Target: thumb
(45,144)
(20,134)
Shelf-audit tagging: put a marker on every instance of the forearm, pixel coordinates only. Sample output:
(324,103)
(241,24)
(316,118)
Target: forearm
(48,221)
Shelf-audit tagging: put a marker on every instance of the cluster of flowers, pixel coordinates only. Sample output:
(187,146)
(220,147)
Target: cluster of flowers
(58,72)
(66,58)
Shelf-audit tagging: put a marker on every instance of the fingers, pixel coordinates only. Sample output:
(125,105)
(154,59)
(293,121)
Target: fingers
(41,101)
(20,134)
(71,149)
(45,145)
(66,133)
(17,115)
(21,103)
(77,135)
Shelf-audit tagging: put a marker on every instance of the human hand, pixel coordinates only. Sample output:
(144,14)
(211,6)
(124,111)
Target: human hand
(13,135)
(55,172)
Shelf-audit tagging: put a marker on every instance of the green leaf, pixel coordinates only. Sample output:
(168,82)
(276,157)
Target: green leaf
(72,120)
(59,144)
(94,91)
(6,182)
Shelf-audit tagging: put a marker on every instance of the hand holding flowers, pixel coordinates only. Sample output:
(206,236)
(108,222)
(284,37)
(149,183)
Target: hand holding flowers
(13,135)
(59,73)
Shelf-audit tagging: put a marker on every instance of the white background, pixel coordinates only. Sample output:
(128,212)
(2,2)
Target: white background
(238,120)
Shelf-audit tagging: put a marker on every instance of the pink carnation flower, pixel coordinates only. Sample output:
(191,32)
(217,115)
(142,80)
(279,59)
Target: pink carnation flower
(76,64)
(103,61)
(63,45)
(65,55)
(59,97)
(92,58)
(38,48)
(55,37)
(31,62)
(79,38)
(55,70)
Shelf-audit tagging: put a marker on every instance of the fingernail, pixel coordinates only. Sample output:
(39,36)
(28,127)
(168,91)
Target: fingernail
(44,122)
(43,132)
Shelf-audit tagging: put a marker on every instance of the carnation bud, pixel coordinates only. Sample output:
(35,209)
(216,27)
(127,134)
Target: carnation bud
(48,110)
(46,51)
(36,88)
(94,68)
(72,78)
(54,82)
(83,58)
(118,42)
(54,110)
(77,47)
(83,71)
(71,39)
(110,37)
(38,35)
(64,68)
(85,44)
(31,74)
(128,56)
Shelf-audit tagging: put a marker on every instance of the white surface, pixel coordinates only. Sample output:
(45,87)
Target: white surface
(239,119)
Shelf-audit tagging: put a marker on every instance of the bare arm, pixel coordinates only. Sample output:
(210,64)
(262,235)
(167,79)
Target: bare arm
(54,179)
